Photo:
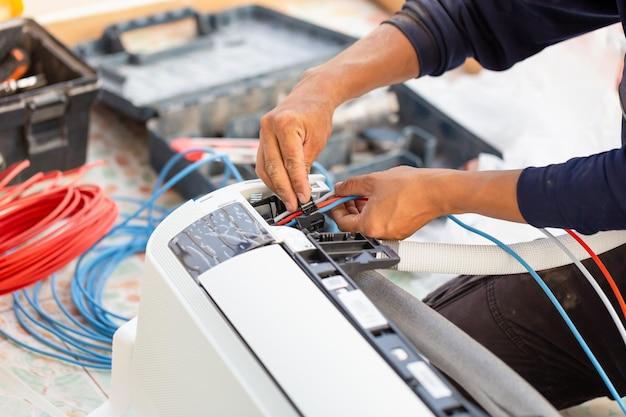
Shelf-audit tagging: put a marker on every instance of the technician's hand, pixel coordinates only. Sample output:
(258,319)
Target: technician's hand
(292,136)
(294,133)
(399,201)
(402,200)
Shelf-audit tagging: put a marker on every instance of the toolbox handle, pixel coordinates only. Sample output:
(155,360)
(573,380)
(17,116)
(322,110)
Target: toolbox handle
(113,34)
(46,127)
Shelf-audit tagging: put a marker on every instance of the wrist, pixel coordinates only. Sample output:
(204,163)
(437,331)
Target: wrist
(450,188)
(326,83)
(436,191)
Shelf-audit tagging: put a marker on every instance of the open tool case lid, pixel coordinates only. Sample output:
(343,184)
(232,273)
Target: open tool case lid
(179,59)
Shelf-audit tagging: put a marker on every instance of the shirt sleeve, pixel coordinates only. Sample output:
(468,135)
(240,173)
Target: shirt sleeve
(587,194)
(497,33)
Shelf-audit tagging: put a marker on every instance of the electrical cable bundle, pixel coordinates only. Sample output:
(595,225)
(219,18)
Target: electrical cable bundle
(324,205)
(86,339)
(46,222)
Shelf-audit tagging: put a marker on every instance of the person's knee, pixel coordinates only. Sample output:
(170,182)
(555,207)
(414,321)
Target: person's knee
(513,318)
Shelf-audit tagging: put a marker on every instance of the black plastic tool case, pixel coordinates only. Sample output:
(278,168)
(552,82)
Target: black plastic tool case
(238,65)
(47,125)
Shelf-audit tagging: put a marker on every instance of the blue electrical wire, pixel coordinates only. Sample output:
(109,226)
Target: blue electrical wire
(555,302)
(87,341)
(19,311)
(329,207)
(79,330)
(231,169)
(42,352)
(339,202)
(54,326)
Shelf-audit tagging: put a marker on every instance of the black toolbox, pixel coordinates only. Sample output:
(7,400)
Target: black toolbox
(236,65)
(47,125)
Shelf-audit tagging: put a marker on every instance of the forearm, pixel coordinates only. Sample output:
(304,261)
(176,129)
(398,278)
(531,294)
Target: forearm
(383,57)
(587,194)
(490,193)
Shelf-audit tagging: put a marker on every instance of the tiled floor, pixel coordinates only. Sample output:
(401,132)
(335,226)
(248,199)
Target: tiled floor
(122,145)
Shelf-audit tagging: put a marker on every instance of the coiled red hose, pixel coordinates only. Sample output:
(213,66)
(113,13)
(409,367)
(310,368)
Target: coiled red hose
(46,222)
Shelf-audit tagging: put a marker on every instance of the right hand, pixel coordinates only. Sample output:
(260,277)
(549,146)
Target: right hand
(292,136)
(400,200)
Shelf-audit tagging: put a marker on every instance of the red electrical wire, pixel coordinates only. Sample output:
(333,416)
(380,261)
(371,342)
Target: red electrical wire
(603,268)
(46,222)
(299,213)
(11,172)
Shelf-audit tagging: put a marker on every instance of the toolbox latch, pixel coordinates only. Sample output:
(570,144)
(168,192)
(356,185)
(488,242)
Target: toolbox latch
(46,128)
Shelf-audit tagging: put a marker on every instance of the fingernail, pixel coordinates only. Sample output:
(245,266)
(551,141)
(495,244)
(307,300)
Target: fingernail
(338,184)
(301,198)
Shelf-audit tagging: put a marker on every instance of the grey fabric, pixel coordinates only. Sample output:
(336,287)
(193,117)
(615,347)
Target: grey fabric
(495,386)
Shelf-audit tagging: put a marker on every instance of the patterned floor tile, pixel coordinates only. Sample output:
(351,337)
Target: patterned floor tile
(68,387)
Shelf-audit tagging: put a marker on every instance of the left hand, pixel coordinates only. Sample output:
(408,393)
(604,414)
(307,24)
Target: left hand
(399,202)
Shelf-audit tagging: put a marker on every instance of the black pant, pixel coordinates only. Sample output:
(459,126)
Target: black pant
(512,317)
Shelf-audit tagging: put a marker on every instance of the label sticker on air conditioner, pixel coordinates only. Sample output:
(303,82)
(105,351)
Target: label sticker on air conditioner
(363,310)
(429,380)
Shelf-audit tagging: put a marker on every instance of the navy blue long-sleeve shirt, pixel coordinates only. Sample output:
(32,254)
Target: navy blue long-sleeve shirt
(587,194)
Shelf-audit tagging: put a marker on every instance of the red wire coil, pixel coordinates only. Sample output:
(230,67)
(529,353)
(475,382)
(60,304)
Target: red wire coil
(46,222)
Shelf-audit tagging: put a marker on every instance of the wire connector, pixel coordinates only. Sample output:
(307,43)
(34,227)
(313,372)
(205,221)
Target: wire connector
(308,208)
(311,219)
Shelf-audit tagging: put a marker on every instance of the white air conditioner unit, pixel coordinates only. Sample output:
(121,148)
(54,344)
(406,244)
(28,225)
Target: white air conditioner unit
(242,318)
